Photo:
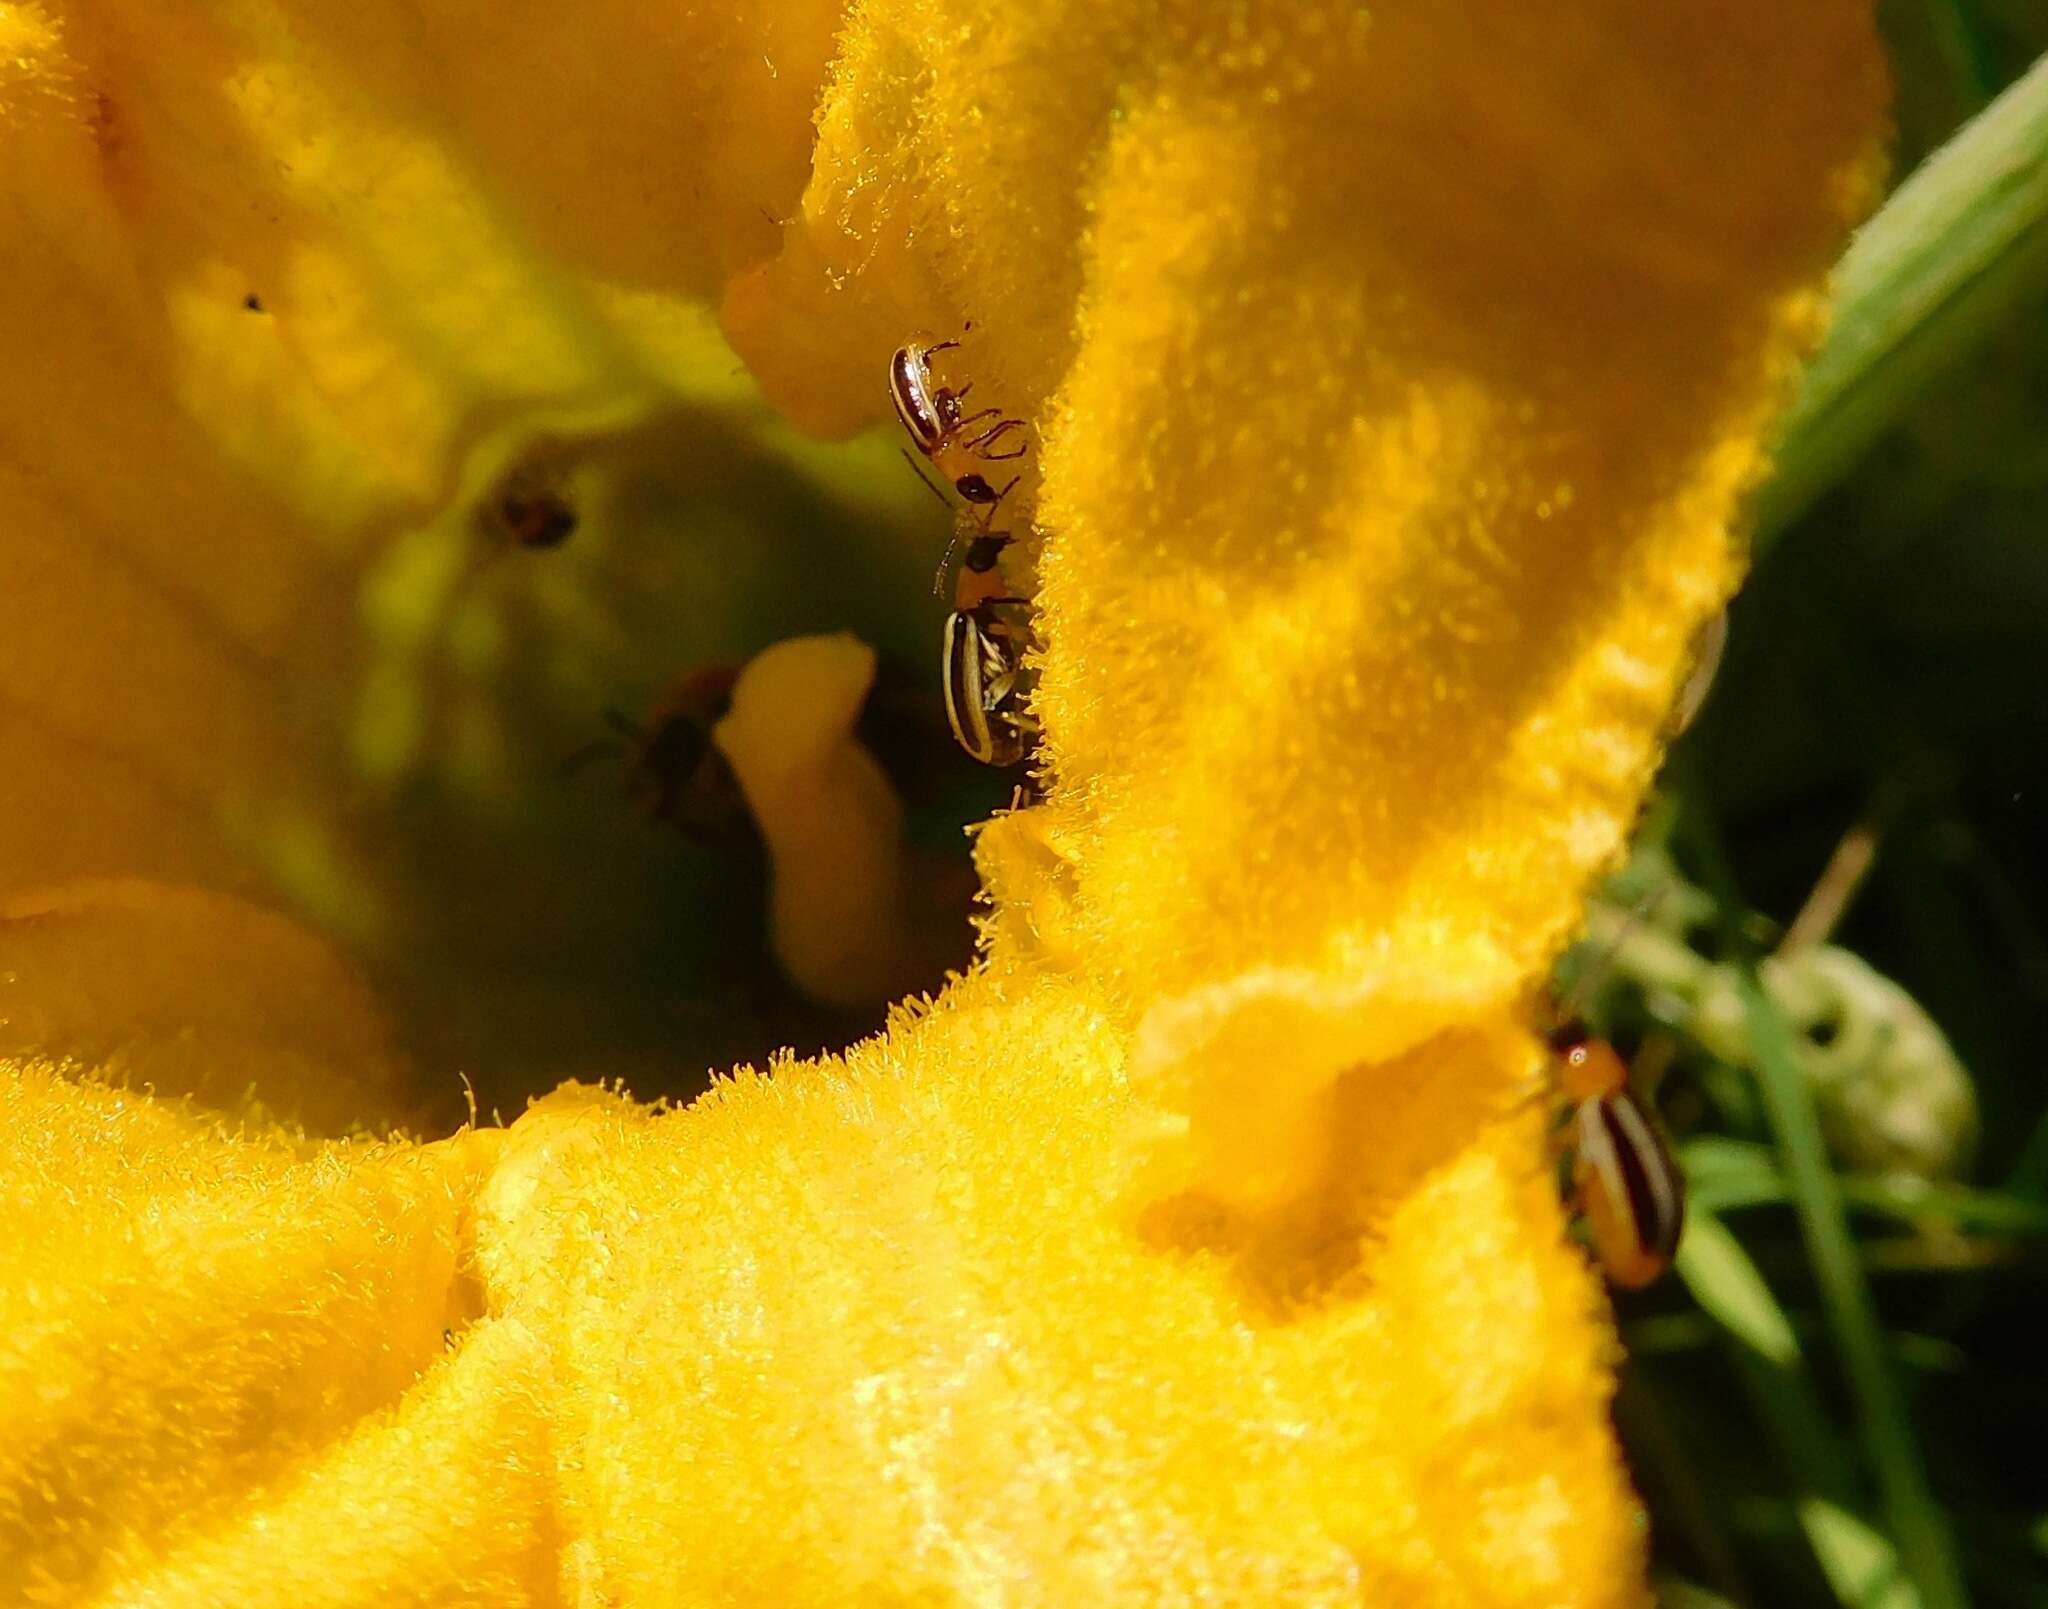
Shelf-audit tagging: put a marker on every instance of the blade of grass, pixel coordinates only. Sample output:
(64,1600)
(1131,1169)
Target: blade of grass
(1918,1526)
(1959,247)
(1862,1568)
(1949,1206)
(1728,1175)
(1884,1426)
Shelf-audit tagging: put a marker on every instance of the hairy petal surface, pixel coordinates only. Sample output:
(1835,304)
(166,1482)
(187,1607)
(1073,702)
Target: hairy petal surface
(190,1316)
(1398,374)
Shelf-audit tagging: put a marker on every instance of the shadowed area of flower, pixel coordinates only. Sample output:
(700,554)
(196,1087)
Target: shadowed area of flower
(1398,375)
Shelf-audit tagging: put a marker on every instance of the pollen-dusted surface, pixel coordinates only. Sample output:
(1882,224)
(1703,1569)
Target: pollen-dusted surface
(888,1335)
(1387,487)
(1397,372)
(191,1317)
(1401,369)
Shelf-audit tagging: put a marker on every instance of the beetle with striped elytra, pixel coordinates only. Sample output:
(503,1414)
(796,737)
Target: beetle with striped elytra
(1624,1183)
(985,680)
(985,686)
(985,677)
(956,443)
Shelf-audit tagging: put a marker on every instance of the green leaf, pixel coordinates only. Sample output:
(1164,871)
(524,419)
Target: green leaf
(1727,1175)
(1860,1565)
(1958,249)
(1917,1523)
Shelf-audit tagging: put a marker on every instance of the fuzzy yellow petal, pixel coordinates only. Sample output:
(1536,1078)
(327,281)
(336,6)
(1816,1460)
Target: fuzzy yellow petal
(879,1332)
(443,1499)
(189,1315)
(183,992)
(1401,372)
(1380,590)
(1398,374)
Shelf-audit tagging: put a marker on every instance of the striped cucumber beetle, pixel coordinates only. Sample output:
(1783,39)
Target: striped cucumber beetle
(984,677)
(958,444)
(1624,1182)
(986,683)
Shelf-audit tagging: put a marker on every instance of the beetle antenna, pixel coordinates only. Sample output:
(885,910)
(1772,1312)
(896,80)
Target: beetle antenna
(921,475)
(963,517)
(945,559)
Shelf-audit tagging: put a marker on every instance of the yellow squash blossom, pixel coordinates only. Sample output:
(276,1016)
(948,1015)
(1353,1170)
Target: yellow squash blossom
(1399,370)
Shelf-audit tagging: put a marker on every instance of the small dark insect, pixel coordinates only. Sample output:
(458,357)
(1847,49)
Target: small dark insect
(675,772)
(253,302)
(535,517)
